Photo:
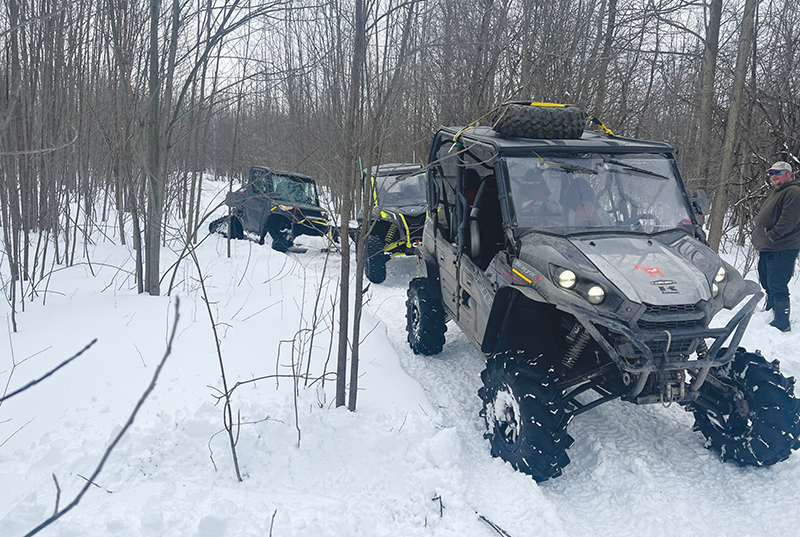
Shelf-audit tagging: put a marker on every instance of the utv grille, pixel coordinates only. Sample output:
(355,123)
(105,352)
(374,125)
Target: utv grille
(672,316)
(667,325)
(672,308)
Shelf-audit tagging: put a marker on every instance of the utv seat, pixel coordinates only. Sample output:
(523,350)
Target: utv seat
(486,224)
(579,199)
(472,182)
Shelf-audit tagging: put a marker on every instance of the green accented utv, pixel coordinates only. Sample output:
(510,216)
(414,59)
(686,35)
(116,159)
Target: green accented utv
(575,262)
(283,204)
(397,217)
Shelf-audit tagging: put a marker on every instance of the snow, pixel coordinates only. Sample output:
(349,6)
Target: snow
(411,461)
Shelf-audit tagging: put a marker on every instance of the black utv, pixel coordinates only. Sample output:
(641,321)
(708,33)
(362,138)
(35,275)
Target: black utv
(283,204)
(397,216)
(575,262)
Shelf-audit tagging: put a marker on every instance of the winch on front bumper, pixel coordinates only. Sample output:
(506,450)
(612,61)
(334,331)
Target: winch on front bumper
(653,359)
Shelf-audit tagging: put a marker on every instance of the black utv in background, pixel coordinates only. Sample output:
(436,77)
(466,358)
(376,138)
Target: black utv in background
(397,218)
(283,204)
(574,260)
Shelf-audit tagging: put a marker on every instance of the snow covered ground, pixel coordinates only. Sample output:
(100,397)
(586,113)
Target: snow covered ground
(411,461)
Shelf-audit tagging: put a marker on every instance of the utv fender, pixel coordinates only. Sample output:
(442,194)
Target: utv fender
(379,228)
(504,302)
(435,288)
(736,288)
(530,293)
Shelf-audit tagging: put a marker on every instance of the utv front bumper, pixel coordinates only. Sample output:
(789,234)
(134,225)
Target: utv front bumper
(642,352)
(311,225)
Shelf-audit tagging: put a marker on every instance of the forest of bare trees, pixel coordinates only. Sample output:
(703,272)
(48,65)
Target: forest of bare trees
(126,105)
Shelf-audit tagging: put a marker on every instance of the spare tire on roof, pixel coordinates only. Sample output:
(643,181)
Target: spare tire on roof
(524,120)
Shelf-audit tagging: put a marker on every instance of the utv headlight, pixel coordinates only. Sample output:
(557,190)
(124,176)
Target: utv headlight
(566,279)
(720,275)
(287,208)
(714,289)
(595,294)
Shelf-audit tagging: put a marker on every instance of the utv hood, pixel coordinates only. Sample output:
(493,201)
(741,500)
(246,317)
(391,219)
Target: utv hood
(412,210)
(646,270)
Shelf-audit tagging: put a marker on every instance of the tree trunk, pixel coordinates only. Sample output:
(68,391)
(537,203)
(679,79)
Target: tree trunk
(351,137)
(709,69)
(605,60)
(156,188)
(720,206)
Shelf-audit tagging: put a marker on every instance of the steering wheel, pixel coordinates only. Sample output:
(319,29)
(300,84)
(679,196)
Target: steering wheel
(637,219)
(540,208)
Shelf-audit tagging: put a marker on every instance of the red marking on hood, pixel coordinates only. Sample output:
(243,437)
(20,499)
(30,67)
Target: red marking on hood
(652,271)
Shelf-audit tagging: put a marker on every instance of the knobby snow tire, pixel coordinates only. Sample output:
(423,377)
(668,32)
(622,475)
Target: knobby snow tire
(229,228)
(755,420)
(280,229)
(375,262)
(543,122)
(425,322)
(525,415)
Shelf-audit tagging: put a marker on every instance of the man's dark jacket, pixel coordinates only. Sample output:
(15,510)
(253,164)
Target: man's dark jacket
(777,226)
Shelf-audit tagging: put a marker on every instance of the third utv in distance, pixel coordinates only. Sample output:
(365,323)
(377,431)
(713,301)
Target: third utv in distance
(282,204)
(397,216)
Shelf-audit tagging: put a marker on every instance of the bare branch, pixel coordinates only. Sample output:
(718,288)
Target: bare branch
(58,514)
(58,494)
(49,373)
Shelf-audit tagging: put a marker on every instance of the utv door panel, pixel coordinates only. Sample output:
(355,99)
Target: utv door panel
(256,211)
(468,307)
(447,258)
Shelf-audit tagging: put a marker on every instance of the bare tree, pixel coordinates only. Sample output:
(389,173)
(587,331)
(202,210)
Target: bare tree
(605,58)
(743,56)
(351,134)
(709,69)
(166,110)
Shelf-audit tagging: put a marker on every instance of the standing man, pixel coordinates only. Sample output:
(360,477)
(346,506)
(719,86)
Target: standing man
(777,238)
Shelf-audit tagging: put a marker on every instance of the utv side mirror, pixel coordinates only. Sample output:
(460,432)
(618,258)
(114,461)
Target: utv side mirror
(700,202)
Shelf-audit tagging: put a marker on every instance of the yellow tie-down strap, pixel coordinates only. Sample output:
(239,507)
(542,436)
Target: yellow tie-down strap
(600,125)
(546,104)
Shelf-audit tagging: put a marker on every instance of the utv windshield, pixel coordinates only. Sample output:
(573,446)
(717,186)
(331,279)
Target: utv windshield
(400,190)
(630,192)
(294,190)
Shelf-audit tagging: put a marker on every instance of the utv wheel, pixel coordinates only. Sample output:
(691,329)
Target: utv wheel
(525,415)
(227,226)
(375,262)
(548,122)
(215,225)
(236,228)
(747,411)
(280,229)
(424,319)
